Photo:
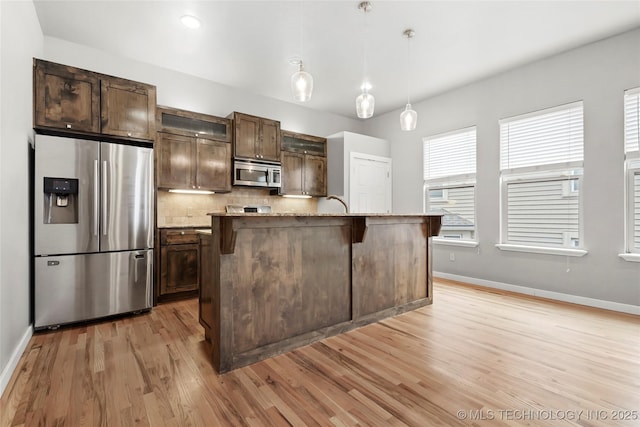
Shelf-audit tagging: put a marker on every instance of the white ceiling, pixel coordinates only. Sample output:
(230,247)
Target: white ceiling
(247,44)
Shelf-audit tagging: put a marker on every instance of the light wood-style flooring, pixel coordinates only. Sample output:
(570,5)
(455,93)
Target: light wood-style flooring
(474,357)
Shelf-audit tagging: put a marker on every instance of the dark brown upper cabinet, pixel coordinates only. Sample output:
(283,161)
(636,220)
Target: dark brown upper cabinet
(189,123)
(193,151)
(304,165)
(128,108)
(175,163)
(255,138)
(65,98)
(76,101)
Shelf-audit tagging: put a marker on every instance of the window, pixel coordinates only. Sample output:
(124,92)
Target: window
(541,165)
(632,167)
(449,183)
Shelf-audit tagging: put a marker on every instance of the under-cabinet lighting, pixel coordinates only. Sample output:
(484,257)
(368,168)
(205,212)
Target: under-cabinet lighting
(190,21)
(191,191)
(296,196)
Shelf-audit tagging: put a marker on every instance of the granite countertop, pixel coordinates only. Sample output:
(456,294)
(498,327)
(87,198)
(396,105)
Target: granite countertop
(164,227)
(315,214)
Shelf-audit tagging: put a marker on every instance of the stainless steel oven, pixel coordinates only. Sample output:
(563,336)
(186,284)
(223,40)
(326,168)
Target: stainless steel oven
(257,174)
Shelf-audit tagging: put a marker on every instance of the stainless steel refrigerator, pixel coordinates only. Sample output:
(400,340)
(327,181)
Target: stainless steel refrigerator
(93,229)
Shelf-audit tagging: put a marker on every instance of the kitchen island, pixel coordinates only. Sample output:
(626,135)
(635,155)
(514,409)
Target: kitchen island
(274,282)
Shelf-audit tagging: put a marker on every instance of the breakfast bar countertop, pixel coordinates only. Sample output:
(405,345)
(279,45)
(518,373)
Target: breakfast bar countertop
(320,214)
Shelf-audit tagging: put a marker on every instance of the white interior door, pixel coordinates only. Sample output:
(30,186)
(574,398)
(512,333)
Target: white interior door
(369,183)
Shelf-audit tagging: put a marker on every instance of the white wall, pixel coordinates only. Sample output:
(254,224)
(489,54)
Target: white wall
(20,41)
(598,74)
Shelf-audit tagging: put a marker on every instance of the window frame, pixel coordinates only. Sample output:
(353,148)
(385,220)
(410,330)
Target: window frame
(631,169)
(555,171)
(446,183)
(562,172)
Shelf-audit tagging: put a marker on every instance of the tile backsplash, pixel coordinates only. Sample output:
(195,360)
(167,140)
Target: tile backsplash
(182,210)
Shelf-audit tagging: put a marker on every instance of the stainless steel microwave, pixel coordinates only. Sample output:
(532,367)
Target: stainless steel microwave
(257,174)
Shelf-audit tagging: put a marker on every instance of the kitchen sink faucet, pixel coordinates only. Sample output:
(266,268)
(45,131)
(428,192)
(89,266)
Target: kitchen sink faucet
(346,208)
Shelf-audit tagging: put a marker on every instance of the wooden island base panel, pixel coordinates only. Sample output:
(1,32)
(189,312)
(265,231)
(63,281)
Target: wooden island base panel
(273,282)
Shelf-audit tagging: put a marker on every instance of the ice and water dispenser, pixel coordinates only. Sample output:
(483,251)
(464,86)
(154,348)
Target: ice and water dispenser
(60,200)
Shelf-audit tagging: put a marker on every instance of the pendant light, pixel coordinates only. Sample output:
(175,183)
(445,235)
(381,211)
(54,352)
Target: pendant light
(365,102)
(408,118)
(301,81)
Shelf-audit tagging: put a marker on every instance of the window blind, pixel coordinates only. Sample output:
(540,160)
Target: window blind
(545,137)
(450,154)
(632,120)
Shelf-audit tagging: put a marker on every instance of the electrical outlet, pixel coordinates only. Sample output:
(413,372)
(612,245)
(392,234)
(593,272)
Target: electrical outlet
(189,211)
(452,256)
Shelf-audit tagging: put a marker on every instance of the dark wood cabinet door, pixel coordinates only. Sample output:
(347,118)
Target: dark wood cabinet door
(246,136)
(292,173)
(301,143)
(190,123)
(213,165)
(66,98)
(270,140)
(175,161)
(128,108)
(179,268)
(315,175)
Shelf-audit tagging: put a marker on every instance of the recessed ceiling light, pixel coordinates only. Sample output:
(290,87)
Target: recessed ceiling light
(190,21)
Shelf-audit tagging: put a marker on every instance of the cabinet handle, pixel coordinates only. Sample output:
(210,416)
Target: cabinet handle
(196,134)
(128,133)
(68,126)
(182,233)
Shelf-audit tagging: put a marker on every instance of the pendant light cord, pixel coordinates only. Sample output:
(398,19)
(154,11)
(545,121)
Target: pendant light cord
(364,50)
(301,32)
(408,69)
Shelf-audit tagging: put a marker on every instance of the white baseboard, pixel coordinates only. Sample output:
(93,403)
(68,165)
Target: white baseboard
(14,359)
(575,299)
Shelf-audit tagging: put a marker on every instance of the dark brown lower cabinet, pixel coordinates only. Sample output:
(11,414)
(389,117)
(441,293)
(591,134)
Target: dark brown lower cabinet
(179,263)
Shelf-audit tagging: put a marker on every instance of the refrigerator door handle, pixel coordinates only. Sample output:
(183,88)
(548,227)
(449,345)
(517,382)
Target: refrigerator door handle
(96,198)
(104,198)
(136,258)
